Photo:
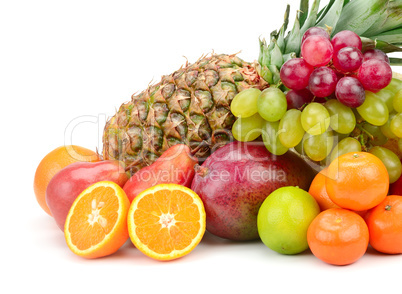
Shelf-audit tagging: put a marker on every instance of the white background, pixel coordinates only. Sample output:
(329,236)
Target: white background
(65,62)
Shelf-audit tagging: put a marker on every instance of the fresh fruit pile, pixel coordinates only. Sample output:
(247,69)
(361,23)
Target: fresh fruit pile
(347,208)
(241,192)
(98,206)
(233,148)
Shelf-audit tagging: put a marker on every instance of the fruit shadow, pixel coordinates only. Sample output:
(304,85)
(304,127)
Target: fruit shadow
(129,253)
(211,240)
(371,251)
(213,245)
(47,231)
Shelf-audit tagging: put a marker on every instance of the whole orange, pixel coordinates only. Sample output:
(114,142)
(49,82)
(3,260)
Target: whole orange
(357,181)
(53,162)
(385,225)
(338,236)
(319,192)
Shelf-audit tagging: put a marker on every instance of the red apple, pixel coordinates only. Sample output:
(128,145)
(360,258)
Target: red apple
(69,182)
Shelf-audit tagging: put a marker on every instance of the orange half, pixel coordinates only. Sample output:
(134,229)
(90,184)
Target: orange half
(96,224)
(166,221)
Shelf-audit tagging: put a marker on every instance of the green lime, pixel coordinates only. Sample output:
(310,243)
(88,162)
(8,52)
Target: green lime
(284,217)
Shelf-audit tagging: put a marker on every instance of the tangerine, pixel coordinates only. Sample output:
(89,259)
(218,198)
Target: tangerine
(385,225)
(357,181)
(338,236)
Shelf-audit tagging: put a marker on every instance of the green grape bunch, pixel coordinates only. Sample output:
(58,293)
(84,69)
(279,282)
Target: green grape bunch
(322,131)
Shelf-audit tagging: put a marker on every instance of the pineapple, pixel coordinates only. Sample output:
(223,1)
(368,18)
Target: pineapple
(192,105)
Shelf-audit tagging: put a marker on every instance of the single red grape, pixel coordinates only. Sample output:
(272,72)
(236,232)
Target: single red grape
(375,74)
(375,54)
(350,92)
(317,50)
(295,73)
(315,31)
(348,59)
(346,39)
(322,81)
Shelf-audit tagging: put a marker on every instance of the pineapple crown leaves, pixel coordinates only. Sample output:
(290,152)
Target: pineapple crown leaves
(377,22)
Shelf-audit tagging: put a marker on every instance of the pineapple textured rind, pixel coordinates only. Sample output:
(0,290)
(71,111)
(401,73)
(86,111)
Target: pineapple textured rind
(190,106)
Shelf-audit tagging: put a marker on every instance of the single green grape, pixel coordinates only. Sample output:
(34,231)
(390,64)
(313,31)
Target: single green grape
(374,110)
(390,160)
(248,128)
(272,104)
(386,128)
(396,125)
(244,104)
(386,96)
(394,86)
(271,138)
(397,101)
(318,147)
(315,119)
(344,146)
(291,131)
(374,134)
(343,119)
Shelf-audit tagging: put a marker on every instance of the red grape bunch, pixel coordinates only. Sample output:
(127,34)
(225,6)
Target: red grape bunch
(334,68)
